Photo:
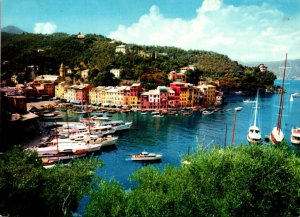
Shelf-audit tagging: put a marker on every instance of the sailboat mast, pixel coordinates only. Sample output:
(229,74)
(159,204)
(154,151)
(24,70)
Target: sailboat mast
(256,107)
(281,97)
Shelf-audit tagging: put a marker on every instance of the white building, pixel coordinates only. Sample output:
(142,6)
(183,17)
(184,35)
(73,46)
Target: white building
(121,49)
(116,72)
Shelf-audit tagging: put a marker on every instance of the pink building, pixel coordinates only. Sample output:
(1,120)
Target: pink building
(155,99)
(175,102)
(135,90)
(49,89)
(177,77)
(82,92)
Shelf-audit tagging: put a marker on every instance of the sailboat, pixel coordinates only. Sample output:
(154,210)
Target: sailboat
(295,136)
(254,134)
(276,134)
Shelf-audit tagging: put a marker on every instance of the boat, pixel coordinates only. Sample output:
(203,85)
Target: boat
(50,149)
(254,134)
(49,161)
(207,112)
(186,113)
(103,130)
(249,101)
(118,125)
(157,116)
(276,134)
(294,95)
(295,136)
(108,140)
(145,156)
(238,109)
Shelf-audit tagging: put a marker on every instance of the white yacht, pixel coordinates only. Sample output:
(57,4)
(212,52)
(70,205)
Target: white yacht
(254,134)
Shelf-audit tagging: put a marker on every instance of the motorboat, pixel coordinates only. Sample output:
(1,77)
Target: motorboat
(238,109)
(103,130)
(157,116)
(108,140)
(145,156)
(205,112)
(49,149)
(295,136)
(254,134)
(276,134)
(49,161)
(118,125)
(249,101)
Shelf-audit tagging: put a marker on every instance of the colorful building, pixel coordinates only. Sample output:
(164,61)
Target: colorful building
(132,95)
(177,77)
(115,96)
(209,93)
(97,95)
(61,89)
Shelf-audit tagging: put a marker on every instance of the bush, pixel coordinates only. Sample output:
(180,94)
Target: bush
(255,180)
(27,189)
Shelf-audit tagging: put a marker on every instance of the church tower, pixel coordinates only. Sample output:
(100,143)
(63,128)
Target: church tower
(62,71)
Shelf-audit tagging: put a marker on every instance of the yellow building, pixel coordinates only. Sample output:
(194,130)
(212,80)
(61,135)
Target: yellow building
(209,92)
(61,89)
(115,96)
(187,93)
(93,96)
(97,95)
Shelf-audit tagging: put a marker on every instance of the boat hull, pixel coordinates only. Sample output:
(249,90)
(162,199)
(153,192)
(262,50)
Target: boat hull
(295,136)
(254,135)
(140,157)
(276,135)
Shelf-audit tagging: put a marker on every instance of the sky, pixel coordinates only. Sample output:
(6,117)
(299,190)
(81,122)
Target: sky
(244,30)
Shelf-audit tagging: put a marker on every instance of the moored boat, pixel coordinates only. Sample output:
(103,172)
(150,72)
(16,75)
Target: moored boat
(295,136)
(207,112)
(249,101)
(254,134)
(276,134)
(145,156)
(118,125)
(238,109)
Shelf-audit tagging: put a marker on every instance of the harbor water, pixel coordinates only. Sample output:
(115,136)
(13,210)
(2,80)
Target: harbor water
(174,136)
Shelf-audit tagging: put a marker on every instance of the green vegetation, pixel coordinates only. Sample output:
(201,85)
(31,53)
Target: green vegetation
(250,180)
(27,189)
(148,64)
(254,180)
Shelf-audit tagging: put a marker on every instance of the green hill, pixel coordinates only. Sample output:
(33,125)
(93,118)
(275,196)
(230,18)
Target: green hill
(148,64)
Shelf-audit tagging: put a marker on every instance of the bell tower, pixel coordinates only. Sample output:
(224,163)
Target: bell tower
(62,71)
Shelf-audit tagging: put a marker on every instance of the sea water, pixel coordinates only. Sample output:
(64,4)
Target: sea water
(174,136)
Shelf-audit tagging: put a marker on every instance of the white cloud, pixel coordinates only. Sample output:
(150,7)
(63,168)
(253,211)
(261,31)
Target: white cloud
(44,28)
(210,5)
(244,33)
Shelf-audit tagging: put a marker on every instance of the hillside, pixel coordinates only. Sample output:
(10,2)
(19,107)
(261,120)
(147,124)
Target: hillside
(149,65)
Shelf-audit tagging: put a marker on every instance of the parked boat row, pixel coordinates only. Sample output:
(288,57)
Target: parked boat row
(276,135)
(77,139)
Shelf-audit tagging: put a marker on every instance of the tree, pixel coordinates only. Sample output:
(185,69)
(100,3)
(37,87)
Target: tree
(192,76)
(27,189)
(106,78)
(254,180)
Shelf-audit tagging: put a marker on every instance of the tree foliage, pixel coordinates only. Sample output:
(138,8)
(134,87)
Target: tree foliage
(47,52)
(27,189)
(250,180)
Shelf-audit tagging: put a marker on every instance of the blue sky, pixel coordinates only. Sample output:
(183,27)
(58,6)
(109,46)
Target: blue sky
(245,30)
